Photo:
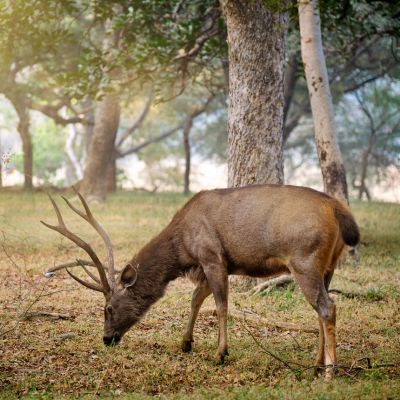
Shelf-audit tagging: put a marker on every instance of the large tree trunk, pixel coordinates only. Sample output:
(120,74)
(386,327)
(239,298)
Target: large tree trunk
(256,40)
(330,158)
(111,174)
(101,149)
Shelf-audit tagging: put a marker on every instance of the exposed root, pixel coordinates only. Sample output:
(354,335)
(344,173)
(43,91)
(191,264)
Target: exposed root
(270,283)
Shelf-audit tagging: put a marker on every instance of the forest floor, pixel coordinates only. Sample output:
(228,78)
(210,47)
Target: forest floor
(43,357)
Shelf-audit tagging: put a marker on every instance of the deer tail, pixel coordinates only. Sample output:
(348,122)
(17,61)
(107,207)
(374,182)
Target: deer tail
(348,226)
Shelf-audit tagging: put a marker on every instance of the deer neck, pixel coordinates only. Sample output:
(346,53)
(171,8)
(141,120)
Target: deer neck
(158,264)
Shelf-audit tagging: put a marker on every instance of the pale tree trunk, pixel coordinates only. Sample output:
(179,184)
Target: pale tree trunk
(330,158)
(256,40)
(102,148)
(186,146)
(76,172)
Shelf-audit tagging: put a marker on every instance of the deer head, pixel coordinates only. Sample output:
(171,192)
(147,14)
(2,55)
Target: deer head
(121,308)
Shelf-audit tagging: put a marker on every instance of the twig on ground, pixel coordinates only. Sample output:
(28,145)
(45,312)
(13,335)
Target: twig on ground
(348,295)
(265,350)
(291,365)
(21,316)
(44,314)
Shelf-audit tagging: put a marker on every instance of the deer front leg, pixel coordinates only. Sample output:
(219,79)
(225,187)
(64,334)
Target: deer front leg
(217,277)
(199,295)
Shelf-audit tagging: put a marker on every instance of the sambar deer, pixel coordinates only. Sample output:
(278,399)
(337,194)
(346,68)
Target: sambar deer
(258,231)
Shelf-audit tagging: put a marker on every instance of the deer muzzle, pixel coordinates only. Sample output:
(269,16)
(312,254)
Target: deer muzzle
(112,340)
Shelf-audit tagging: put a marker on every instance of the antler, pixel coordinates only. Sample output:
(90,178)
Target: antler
(100,230)
(103,285)
(77,263)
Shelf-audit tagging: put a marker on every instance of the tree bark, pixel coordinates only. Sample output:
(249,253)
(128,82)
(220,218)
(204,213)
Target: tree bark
(111,174)
(256,41)
(102,149)
(186,146)
(330,158)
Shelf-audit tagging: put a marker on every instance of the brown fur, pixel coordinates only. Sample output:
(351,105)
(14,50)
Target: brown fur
(258,231)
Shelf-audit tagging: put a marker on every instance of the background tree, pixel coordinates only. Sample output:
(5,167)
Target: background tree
(256,41)
(370,136)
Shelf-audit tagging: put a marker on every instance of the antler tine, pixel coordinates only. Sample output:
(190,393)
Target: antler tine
(88,272)
(58,267)
(58,213)
(100,230)
(61,228)
(84,283)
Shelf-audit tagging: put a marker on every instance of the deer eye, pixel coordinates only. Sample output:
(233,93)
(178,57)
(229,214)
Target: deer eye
(109,309)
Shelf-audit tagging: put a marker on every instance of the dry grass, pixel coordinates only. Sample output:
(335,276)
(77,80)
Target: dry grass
(38,359)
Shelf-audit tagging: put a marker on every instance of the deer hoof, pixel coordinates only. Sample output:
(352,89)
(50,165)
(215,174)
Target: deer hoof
(319,371)
(329,373)
(186,345)
(220,357)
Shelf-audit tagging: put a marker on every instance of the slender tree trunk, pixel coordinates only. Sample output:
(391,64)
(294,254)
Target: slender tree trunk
(101,149)
(330,158)
(76,172)
(23,130)
(186,146)
(290,83)
(256,40)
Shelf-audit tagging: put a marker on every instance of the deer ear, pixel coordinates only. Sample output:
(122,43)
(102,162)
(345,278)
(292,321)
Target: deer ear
(129,276)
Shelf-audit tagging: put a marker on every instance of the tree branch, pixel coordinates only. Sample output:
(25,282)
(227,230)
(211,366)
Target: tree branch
(137,122)
(195,112)
(52,112)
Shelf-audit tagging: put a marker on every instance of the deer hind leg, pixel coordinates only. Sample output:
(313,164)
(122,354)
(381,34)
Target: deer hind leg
(201,292)
(320,359)
(314,288)
(217,277)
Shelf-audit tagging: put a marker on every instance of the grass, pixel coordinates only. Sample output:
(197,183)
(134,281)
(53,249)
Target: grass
(38,359)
